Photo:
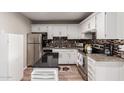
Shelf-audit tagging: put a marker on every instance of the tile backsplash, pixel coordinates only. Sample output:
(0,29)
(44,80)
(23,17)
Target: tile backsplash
(65,42)
(116,43)
(57,42)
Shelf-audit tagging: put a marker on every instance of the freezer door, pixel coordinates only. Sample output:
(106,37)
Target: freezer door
(30,38)
(34,38)
(37,38)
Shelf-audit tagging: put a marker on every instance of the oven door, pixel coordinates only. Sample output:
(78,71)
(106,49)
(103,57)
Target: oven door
(80,59)
(82,65)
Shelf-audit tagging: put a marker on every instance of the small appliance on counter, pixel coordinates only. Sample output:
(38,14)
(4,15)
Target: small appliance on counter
(121,50)
(98,48)
(79,44)
(108,49)
(122,55)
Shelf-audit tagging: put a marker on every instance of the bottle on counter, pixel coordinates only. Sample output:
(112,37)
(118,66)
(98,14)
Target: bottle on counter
(88,48)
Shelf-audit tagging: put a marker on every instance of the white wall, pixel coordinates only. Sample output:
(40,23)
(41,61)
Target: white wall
(17,24)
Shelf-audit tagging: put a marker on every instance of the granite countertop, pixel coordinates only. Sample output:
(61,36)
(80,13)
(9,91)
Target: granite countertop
(105,58)
(62,48)
(48,60)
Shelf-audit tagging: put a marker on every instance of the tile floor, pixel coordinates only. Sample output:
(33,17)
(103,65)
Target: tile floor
(70,73)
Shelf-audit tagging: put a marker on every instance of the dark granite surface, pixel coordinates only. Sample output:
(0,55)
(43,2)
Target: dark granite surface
(48,60)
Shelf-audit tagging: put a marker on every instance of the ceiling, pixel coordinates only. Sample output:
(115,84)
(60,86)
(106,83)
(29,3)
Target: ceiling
(56,16)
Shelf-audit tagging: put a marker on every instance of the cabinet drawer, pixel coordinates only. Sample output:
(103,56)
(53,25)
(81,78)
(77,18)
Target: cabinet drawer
(90,78)
(91,69)
(91,66)
(91,74)
(91,61)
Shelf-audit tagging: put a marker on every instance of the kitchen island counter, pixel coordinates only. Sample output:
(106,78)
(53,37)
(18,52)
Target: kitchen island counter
(46,68)
(48,60)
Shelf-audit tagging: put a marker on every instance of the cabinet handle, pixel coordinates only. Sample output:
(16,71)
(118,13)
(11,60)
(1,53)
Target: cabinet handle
(89,25)
(59,33)
(39,29)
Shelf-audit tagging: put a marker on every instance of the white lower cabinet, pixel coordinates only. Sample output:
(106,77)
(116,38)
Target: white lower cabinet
(66,56)
(63,58)
(105,71)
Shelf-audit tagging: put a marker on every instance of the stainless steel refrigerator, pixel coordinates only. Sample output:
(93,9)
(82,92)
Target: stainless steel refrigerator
(34,48)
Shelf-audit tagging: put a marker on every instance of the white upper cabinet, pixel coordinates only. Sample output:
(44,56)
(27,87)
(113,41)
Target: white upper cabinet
(39,28)
(50,32)
(59,30)
(44,28)
(87,26)
(35,28)
(54,30)
(100,25)
(120,25)
(82,32)
(73,31)
(92,24)
(109,25)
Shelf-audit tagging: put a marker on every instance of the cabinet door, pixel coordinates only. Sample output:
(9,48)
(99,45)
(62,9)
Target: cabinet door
(121,71)
(120,25)
(111,25)
(91,70)
(55,30)
(50,31)
(35,28)
(63,58)
(43,28)
(63,30)
(59,30)
(72,58)
(66,57)
(60,58)
(84,29)
(40,28)
(93,23)
(73,31)
(100,26)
